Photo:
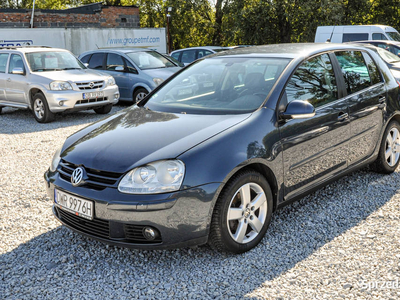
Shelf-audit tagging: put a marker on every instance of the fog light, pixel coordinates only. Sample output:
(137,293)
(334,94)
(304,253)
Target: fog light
(149,233)
(61,103)
(116,96)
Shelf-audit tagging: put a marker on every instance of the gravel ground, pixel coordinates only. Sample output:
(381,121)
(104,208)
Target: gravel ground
(341,242)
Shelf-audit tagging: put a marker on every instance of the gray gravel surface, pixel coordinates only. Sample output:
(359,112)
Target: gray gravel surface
(341,242)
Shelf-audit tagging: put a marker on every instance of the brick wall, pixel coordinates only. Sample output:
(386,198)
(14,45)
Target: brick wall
(89,16)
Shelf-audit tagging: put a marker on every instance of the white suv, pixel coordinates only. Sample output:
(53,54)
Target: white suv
(51,80)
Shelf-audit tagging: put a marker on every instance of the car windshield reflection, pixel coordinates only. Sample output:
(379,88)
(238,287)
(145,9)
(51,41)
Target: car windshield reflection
(220,86)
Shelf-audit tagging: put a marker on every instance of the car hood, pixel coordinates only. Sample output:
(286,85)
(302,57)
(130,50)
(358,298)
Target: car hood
(163,73)
(73,75)
(138,136)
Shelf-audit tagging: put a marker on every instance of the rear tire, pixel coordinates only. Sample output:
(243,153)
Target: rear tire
(41,110)
(139,94)
(105,109)
(242,213)
(389,152)
(1,108)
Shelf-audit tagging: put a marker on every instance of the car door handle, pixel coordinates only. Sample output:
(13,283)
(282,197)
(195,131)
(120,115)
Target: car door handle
(382,99)
(9,79)
(342,116)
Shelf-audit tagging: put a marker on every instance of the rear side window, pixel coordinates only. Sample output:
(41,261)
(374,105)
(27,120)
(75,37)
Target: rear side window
(373,70)
(96,61)
(350,37)
(354,69)
(378,36)
(188,56)
(3,62)
(203,53)
(113,61)
(314,81)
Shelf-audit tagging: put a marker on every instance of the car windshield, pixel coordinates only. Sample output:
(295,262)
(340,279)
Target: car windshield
(230,85)
(395,36)
(52,61)
(150,60)
(387,56)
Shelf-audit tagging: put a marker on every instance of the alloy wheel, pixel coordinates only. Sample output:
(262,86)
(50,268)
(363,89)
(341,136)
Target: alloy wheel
(140,96)
(392,151)
(247,213)
(39,108)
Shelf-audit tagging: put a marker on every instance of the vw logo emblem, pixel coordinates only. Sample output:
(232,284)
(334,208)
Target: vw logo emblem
(91,85)
(77,176)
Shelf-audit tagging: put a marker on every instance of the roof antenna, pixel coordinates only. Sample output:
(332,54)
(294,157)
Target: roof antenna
(330,39)
(97,46)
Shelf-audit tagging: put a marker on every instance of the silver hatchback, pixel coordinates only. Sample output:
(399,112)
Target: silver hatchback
(51,80)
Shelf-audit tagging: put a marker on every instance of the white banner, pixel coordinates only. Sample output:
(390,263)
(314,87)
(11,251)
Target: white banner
(79,40)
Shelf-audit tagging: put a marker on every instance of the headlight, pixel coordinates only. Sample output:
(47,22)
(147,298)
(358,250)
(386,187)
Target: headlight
(154,178)
(158,81)
(110,81)
(60,86)
(56,160)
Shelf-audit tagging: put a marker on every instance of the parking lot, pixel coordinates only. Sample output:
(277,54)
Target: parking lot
(340,242)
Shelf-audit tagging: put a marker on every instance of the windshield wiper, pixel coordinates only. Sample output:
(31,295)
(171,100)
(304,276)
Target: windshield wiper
(71,68)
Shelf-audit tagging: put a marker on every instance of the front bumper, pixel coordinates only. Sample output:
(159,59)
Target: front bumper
(181,218)
(60,101)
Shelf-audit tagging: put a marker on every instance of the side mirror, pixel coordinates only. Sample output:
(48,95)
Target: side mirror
(119,69)
(18,71)
(298,109)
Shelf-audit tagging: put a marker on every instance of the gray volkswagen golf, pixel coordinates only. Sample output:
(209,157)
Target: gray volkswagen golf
(210,154)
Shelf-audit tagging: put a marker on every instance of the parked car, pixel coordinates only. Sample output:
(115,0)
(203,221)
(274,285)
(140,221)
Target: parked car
(351,33)
(137,71)
(391,60)
(228,140)
(392,46)
(188,55)
(50,80)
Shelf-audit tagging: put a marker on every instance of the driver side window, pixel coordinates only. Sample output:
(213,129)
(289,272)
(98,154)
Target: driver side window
(314,81)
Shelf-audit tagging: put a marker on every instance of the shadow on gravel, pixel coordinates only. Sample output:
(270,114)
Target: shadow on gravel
(61,264)
(15,121)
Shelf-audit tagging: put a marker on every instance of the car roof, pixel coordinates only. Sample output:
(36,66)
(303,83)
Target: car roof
(287,50)
(381,41)
(123,49)
(202,47)
(30,49)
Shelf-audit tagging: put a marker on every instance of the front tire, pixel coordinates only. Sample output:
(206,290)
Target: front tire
(242,213)
(105,109)
(389,152)
(41,110)
(139,94)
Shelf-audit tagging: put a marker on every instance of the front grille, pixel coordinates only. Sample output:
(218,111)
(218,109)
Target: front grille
(93,100)
(97,227)
(134,233)
(107,229)
(90,85)
(97,180)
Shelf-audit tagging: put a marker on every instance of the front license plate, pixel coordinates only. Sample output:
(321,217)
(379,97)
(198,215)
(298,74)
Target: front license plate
(73,204)
(91,95)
